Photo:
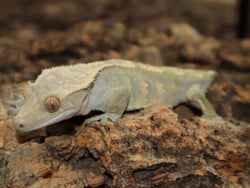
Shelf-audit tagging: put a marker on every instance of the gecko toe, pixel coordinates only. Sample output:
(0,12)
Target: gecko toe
(219,120)
(103,118)
(90,120)
(17,103)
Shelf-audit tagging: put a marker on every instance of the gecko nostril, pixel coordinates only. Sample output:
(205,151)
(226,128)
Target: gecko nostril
(21,125)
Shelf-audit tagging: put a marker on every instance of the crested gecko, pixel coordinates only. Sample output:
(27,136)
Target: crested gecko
(111,86)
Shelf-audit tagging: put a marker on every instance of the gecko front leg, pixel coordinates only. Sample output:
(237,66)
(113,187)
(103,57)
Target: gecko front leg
(17,103)
(113,102)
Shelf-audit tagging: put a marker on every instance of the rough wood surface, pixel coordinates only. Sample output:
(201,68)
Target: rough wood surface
(153,149)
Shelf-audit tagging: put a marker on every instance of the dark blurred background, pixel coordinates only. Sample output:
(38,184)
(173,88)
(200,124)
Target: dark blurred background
(38,34)
(219,18)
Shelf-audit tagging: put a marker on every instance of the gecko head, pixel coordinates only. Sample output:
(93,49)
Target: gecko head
(47,104)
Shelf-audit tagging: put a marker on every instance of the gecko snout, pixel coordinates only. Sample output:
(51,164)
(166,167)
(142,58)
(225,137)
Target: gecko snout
(21,126)
(18,125)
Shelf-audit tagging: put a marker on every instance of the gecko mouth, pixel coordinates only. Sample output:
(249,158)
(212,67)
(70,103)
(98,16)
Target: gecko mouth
(65,115)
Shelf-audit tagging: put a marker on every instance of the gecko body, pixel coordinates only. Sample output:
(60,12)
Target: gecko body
(111,86)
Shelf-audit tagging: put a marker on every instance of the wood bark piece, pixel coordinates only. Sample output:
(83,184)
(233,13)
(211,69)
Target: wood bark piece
(147,149)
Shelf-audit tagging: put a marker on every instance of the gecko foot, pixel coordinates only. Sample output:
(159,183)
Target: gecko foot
(17,103)
(219,120)
(103,118)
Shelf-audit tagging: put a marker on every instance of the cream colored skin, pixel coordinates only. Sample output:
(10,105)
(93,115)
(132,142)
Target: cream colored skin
(111,86)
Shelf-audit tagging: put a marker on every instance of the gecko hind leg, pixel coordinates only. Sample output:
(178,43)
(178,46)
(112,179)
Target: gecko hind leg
(197,98)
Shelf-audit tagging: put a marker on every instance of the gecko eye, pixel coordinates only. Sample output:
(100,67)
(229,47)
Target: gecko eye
(52,104)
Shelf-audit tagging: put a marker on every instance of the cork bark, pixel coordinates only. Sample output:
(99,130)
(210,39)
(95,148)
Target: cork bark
(154,147)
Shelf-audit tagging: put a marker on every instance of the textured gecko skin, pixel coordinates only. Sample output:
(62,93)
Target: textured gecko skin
(111,86)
